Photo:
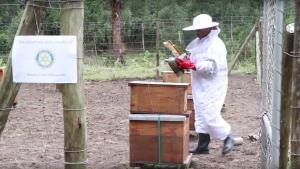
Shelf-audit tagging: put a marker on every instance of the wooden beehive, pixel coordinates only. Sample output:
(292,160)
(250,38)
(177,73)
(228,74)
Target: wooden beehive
(170,76)
(158,97)
(190,107)
(2,69)
(152,141)
(1,72)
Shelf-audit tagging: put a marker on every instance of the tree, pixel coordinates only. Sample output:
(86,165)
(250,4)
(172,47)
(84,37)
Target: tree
(116,30)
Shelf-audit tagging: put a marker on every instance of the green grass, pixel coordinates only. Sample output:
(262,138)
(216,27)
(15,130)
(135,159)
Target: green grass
(94,72)
(142,66)
(137,66)
(245,67)
(247,62)
(2,60)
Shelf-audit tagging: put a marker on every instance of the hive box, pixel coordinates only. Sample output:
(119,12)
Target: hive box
(1,76)
(190,108)
(158,97)
(144,136)
(169,76)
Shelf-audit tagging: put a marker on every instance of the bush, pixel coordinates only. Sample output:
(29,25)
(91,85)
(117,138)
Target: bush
(4,43)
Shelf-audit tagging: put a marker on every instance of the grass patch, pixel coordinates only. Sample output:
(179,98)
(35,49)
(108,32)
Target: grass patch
(136,66)
(247,62)
(245,67)
(94,72)
(142,66)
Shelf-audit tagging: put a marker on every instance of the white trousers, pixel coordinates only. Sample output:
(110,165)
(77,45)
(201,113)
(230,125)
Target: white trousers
(214,125)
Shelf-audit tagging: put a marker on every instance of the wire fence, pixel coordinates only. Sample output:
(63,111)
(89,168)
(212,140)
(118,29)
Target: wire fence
(271,83)
(36,146)
(137,37)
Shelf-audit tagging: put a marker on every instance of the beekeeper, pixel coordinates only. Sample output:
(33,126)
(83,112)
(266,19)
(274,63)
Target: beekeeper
(209,83)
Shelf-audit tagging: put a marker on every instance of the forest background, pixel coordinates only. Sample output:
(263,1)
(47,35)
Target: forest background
(140,22)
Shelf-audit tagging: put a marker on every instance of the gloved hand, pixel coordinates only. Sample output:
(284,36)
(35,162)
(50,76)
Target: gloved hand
(185,64)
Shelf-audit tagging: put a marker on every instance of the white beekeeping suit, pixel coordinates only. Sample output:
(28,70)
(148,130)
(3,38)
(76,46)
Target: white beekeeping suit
(209,84)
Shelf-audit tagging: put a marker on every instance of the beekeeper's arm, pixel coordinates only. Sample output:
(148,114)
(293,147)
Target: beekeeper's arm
(216,57)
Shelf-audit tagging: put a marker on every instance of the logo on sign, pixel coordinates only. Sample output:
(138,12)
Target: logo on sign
(44,59)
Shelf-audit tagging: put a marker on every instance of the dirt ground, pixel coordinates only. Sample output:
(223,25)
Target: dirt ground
(33,136)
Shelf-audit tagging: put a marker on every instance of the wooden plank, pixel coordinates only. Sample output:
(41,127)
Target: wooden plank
(145,83)
(155,117)
(190,107)
(190,104)
(191,116)
(170,76)
(29,25)
(160,98)
(145,165)
(149,128)
(143,141)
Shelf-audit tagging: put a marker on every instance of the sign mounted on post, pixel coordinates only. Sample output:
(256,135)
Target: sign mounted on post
(44,59)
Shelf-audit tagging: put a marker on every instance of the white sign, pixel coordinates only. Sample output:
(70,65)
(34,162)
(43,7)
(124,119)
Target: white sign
(44,59)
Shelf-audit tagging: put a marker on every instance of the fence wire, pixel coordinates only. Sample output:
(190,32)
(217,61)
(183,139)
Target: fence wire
(271,83)
(137,37)
(39,147)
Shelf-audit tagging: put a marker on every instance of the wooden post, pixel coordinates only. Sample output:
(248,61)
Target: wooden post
(258,48)
(285,123)
(72,15)
(157,48)
(179,38)
(258,56)
(29,25)
(95,44)
(231,38)
(295,135)
(252,32)
(143,36)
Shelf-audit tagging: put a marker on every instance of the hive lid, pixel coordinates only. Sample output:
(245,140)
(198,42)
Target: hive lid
(154,117)
(135,83)
(172,72)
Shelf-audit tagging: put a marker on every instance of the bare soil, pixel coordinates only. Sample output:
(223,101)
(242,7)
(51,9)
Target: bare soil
(34,134)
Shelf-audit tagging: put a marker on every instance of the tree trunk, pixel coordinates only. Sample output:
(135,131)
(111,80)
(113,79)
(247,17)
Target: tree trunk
(72,16)
(29,25)
(116,30)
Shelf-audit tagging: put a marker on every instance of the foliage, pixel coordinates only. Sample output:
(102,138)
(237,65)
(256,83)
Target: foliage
(13,26)
(134,13)
(247,63)
(289,16)
(4,42)
(2,61)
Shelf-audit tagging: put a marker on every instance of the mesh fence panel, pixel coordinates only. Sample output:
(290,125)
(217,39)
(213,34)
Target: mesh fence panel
(138,37)
(271,81)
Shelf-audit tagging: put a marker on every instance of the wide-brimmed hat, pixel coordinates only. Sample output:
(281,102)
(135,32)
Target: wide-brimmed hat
(201,21)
